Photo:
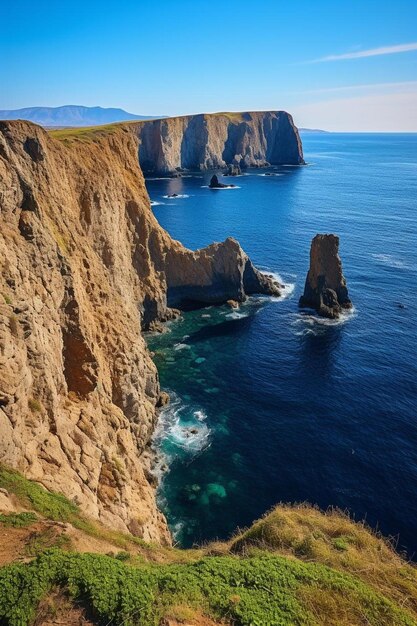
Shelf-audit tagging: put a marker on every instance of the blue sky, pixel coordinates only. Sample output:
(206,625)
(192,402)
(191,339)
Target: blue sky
(183,57)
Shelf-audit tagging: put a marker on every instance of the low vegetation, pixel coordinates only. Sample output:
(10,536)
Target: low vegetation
(56,507)
(17,520)
(296,566)
(255,591)
(84,133)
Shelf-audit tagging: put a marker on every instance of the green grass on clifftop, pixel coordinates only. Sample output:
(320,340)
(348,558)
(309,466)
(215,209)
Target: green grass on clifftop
(266,590)
(84,133)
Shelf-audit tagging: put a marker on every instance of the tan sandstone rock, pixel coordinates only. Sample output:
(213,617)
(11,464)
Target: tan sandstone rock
(325,288)
(84,266)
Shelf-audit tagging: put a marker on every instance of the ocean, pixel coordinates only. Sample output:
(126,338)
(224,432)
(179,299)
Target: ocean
(271,404)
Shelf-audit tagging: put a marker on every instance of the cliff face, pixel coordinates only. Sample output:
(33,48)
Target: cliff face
(84,265)
(200,142)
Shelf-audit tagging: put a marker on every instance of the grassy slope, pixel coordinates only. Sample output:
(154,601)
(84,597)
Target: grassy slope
(86,133)
(295,566)
(91,133)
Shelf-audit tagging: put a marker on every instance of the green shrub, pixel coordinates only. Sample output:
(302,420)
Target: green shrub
(260,591)
(17,520)
(340,543)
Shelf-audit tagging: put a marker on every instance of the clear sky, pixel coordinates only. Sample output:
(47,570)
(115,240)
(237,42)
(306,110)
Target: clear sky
(335,64)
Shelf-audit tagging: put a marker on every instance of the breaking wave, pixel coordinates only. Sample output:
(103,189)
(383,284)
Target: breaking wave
(288,287)
(181,432)
(220,188)
(308,323)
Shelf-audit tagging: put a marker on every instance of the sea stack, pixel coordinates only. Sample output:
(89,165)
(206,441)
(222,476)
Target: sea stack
(216,184)
(325,289)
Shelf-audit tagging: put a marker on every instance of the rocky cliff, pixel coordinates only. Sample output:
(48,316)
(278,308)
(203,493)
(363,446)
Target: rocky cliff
(84,266)
(200,142)
(325,288)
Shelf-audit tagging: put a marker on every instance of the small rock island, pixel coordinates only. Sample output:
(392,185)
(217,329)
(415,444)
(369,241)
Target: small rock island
(325,288)
(216,184)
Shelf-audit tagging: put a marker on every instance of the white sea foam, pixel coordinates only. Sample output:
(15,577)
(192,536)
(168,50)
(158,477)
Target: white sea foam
(271,174)
(177,529)
(181,430)
(158,178)
(308,323)
(390,260)
(220,188)
(237,315)
(181,346)
(287,288)
(177,197)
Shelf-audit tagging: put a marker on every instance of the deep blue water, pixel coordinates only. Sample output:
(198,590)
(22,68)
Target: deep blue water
(271,405)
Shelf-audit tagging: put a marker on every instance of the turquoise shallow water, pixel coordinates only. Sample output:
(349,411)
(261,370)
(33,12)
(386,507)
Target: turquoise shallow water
(272,405)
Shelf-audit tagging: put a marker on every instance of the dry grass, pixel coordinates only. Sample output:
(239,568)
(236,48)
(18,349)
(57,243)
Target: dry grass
(334,539)
(85,133)
(34,405)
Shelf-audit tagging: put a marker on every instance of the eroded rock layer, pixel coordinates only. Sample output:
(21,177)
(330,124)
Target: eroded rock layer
(84,266)
(211,141)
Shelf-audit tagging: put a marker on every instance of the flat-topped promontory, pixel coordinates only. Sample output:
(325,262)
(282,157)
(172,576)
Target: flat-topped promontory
(216,140)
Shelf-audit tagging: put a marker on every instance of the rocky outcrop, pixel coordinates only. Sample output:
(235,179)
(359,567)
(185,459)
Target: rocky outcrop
(213,275)
(233,170)
(84,266)
(216,184)
(201,142)
(325,288)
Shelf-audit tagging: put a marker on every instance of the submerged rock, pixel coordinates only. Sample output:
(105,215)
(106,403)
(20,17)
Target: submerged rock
(325,288)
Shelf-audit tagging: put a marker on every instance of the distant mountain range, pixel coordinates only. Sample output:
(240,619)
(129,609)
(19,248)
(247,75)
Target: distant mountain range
(72,115)
(75,115)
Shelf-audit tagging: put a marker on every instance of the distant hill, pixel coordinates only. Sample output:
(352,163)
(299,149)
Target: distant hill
(71,115)
(307,130)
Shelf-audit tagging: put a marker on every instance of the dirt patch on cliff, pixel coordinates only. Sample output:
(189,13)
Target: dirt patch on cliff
(59,610)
